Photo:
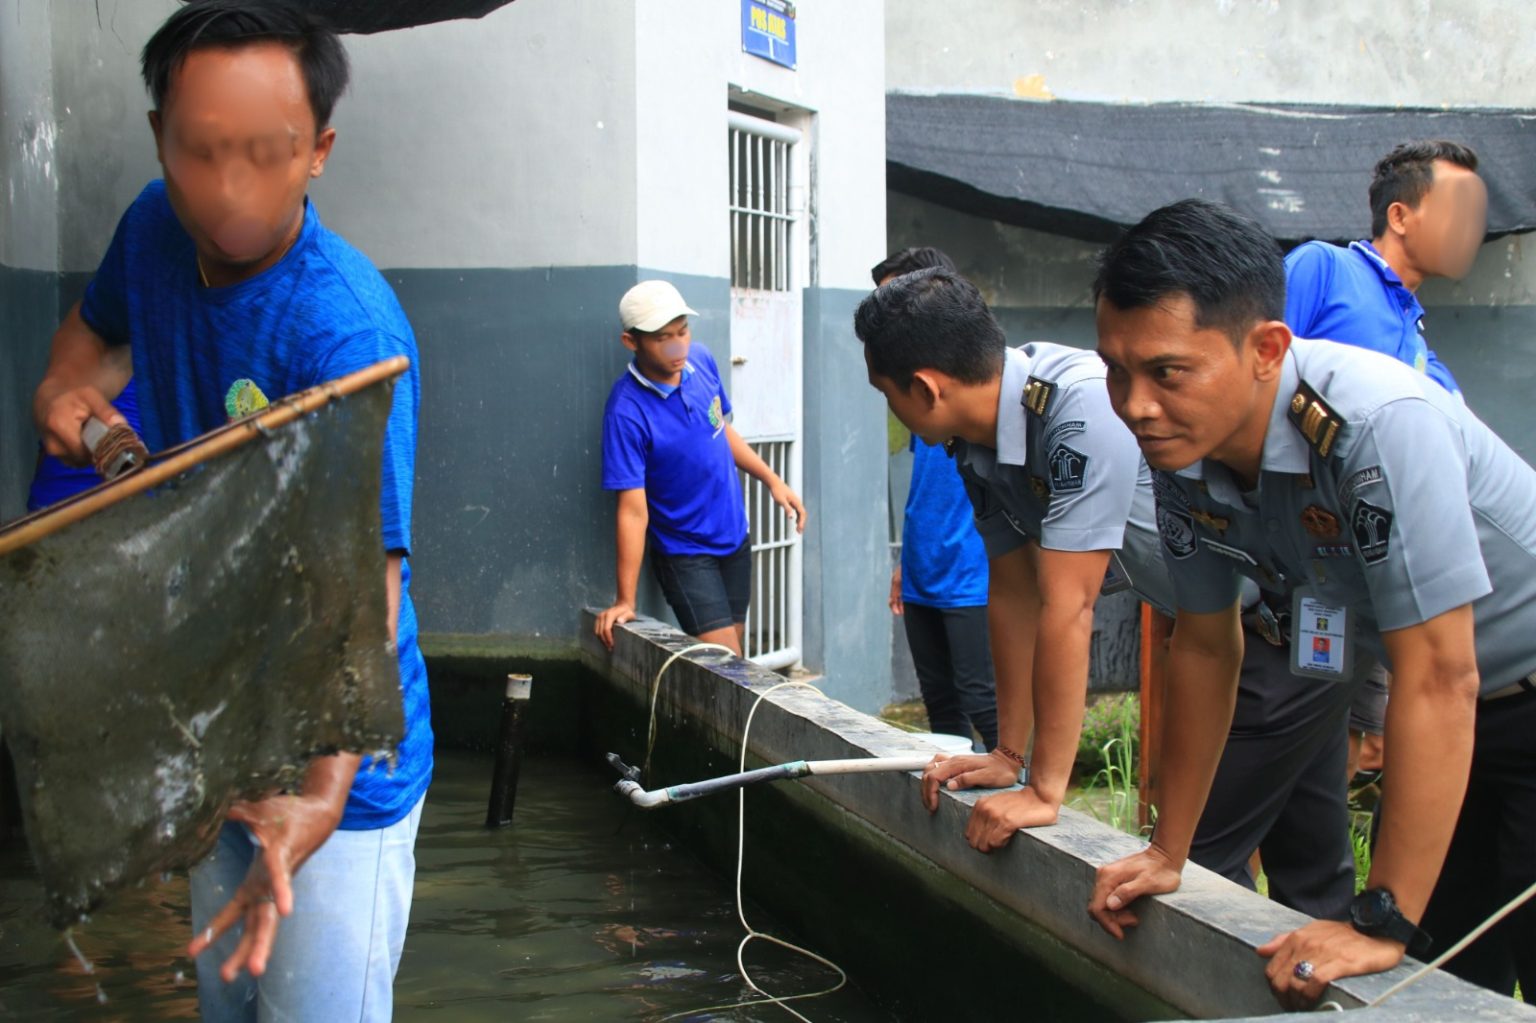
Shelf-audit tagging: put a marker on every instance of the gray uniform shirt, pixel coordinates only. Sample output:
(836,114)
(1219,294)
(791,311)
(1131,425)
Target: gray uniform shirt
(1380,491)
(1065,472)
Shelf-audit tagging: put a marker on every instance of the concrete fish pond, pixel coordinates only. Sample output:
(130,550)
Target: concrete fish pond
(587,907)
(895,896)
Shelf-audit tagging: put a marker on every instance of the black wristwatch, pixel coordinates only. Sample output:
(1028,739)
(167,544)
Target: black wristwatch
(1374,913)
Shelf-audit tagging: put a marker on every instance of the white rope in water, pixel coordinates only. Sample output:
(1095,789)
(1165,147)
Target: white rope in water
(650,728)
(741,847)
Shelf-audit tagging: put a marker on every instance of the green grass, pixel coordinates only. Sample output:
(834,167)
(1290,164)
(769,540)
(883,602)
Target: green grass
(896,436)
(1111,794)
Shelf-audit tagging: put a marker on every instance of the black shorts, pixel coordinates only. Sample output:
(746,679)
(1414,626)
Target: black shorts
(706,592)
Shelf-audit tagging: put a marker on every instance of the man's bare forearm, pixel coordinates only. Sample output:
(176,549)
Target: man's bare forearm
(1197,714)
(1060,688)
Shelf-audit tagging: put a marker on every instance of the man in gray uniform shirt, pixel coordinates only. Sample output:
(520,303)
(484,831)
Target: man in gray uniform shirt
(1396,523)
(1061,493)
(939,358)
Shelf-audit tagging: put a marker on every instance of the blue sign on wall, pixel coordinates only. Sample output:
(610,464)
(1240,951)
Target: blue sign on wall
(768,30)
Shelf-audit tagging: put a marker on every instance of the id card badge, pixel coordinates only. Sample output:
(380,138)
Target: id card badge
(1116,578)
(1322,639)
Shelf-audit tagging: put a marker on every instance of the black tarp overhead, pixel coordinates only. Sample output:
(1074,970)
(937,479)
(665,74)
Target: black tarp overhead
(364,16)
(1086,170)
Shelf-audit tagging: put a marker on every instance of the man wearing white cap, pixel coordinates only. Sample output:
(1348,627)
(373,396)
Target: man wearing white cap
(671,455)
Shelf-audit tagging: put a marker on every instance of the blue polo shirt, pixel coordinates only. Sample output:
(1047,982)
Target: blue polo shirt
(943,561)
(671,442)
(1351,295)
(321,312)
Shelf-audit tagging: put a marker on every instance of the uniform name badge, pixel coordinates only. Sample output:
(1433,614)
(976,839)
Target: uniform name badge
(1322,639)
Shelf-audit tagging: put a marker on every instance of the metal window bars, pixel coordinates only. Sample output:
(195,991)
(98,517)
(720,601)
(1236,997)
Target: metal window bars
(761,219)
(773,619)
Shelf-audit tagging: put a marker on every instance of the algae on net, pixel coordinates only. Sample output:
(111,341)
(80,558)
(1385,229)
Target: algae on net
(195,644)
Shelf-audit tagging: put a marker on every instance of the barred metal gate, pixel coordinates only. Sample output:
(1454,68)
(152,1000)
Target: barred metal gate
(767,258)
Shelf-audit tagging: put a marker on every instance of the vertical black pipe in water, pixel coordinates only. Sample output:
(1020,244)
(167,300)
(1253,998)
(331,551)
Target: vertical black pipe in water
(509,750)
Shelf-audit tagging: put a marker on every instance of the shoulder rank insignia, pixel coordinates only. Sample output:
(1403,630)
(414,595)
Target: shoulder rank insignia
(1037,395)
(1209,521)
(1315,418)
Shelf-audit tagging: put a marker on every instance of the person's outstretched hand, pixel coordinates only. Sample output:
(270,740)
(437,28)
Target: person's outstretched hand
(290,829)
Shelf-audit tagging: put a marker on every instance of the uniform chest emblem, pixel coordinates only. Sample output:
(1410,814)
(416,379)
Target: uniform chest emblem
(1037,484)
(1320,522)
(716,415)
(1177,530)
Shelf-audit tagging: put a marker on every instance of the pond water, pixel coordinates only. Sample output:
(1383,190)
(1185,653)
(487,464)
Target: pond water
(583,909)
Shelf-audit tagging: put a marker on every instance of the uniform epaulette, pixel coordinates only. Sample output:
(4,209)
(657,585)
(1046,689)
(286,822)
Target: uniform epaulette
(1037,395)
(1315,418)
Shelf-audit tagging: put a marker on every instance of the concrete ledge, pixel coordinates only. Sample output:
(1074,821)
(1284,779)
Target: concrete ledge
(1194,951)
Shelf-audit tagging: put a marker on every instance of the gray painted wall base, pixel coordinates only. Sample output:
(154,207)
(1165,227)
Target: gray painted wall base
(29,304)
(847,552)
(1194,950)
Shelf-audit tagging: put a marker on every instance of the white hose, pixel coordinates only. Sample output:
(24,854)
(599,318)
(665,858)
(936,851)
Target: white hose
(741,831)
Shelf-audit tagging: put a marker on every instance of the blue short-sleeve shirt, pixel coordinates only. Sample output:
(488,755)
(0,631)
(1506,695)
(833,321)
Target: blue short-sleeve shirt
(943,561)
(321,312)
(672,443)
(1354,297)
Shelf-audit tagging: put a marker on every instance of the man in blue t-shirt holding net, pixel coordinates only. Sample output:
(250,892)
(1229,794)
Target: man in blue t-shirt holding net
(672,456)
(226,289)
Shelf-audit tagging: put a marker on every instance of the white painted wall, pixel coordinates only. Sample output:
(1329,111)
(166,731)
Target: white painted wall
(688,56)
(507,141)
(106,151)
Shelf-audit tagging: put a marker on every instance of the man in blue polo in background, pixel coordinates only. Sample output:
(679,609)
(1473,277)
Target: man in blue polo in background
(672,456)
(1429,212)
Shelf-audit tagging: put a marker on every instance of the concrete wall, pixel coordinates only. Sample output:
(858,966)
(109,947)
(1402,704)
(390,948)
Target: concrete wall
(29,234)
(1375,52)
(512,176)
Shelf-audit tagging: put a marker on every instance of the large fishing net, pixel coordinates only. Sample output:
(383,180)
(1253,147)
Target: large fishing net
(168,651)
